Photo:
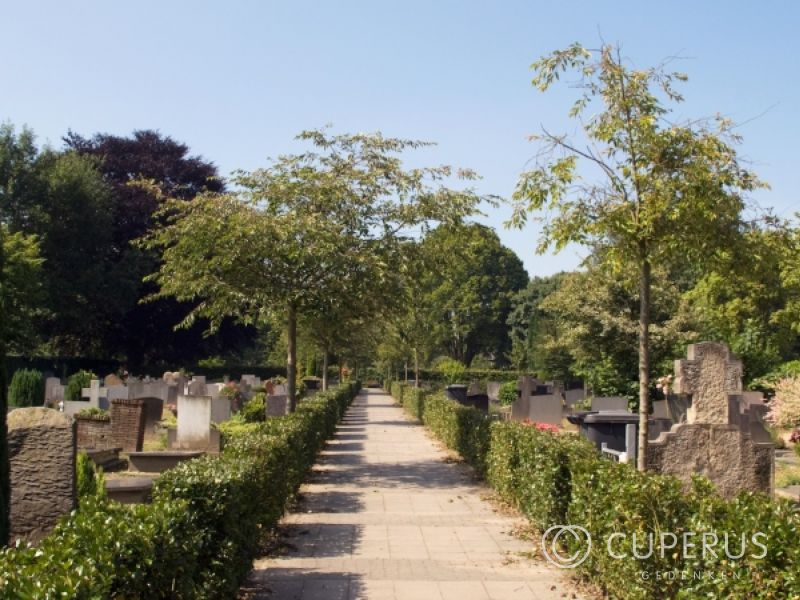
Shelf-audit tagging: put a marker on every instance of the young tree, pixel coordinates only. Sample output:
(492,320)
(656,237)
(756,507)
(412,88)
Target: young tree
(294,236)
(666,191)
(5,468)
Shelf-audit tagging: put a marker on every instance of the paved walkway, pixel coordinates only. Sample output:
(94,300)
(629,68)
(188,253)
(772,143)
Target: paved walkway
(385,515)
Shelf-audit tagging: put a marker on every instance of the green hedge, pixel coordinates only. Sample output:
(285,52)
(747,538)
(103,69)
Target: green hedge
(199,536)
(560,479)
(26,388)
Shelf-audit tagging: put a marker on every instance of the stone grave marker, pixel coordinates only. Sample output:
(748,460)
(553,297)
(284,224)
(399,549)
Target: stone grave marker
(493,391)
(573,397)
(608,403)
(709,374)
(196,387)
(194,422)
(53,392)
(277,406)
(41,448)
(112,379)
(714,441)
(220,409)
(546,409)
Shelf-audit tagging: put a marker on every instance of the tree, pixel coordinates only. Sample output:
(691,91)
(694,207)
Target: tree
(143,333)
(21,290)
(295,236)
(666,192)
(469,284)
(529,325)
(5,467)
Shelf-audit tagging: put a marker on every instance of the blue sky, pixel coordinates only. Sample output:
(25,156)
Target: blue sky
(236,80)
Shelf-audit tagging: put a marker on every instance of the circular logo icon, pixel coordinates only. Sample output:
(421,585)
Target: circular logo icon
(553,538)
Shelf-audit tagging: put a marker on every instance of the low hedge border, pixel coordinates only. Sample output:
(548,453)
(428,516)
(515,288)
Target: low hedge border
(558,479)
(198,537)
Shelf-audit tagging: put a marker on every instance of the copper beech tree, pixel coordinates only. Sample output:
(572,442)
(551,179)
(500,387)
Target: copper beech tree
(637,185)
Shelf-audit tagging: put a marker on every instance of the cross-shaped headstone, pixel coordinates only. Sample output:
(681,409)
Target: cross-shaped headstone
(710,374)
(94,392)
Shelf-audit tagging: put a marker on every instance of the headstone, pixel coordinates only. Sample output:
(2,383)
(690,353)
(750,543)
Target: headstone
(521,408)
(214,389)
(220,409)
(128,419)
(153,412)
(196,387)
(474,388)
(41,448)
(97,395)
(607,403)
(493,391)
(53,391)
(661,410)
(112,379)
(280,389)
(710,374)
(573,397)
(546,409)
(527,386)
(194,422)
(251,380)
(277,406)
(716,441)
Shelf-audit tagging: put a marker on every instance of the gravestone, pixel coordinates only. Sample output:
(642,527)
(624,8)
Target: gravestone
(251,380)
(53,392)
(713,442)
(661,410)
(474,388)
(112,379)
(573,397)
(41,448)
(153,412)
(128,419)
(277,406)
(493,391)
(607,403)
(546,408)
(709,374)
(194,422)
(196,387)
(220,409)
(527,386)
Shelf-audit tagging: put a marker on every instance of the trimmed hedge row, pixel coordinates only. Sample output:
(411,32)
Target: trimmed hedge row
(556,479)
(199,536)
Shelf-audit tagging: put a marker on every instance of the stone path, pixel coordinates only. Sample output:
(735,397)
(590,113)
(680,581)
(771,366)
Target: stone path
(385,515)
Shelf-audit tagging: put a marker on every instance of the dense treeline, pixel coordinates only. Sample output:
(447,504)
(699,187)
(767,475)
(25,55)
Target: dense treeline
(74,279)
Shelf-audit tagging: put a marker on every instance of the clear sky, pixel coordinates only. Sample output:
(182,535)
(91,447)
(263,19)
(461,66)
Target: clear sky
(236,80)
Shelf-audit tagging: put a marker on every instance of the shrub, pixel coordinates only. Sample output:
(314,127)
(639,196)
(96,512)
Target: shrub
(26,389)
(784,408)
(93,411)
(254,410)
(452,370)
(508,393)
(198,537)
(560,479)
(76,382)
(90,481)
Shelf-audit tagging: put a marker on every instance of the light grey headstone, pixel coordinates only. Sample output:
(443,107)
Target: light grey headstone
(220,409)
(196,387)
(609,403)
(573,397)
(194,422)
(493,391)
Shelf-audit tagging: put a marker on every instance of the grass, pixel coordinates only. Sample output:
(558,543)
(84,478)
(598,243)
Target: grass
(786,475)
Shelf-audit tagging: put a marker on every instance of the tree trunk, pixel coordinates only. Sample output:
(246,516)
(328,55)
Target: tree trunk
(644,359)
(406,371)
(416,368)
(324,370)
(291,355)
(5,468)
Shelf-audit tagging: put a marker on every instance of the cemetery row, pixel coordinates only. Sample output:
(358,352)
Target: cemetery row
(112,426)
(556,476)
(170,547)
